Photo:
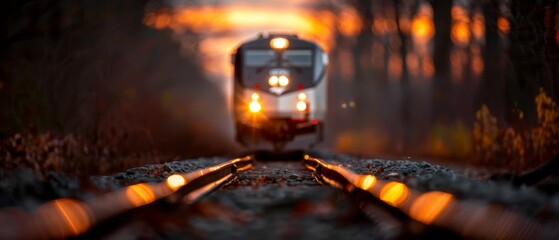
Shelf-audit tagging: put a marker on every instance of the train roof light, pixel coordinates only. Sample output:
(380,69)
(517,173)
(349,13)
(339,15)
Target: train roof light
(279,43)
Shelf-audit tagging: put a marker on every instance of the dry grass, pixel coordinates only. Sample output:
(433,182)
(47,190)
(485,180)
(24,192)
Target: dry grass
(518,148)
(70,154)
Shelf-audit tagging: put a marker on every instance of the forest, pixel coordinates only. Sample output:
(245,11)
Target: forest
(475,80)
(99,86)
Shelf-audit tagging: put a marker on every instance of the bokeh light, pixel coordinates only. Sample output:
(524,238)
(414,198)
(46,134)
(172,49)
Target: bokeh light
(394,193)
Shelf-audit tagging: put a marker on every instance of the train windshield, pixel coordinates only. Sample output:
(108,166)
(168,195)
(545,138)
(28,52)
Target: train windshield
(269,58)
(259,64)
(257,58)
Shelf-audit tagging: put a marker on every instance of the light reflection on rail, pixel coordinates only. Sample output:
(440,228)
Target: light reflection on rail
(471,219)
(63,218)
(394,193)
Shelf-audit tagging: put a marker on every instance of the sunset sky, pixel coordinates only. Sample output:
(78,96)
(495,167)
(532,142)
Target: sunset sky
(224,25)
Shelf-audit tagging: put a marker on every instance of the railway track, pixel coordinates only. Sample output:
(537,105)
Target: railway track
(261,195)
(64,218)
(436,212)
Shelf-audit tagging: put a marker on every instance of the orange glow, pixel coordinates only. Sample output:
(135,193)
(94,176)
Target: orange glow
(395,66)
(158,20)
(223,27)
(460,33)
(349,23)
(428,67)
(366,182)
(405,25)
(74,214)
(413,63)
(279,43)
(64,218)
(427,207)
(140,194)
(255,107)
(394,193)
(478,26)
(224,19)
(422,28)
(503,24)
(458,58)
(459,13)
(175,181)
(378,26)
(477,64)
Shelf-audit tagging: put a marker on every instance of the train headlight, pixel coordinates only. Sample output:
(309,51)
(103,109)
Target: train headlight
(255,107)
(254,96)
(302,96)
(301,106)
(273,81)
(283,81)
(279,43)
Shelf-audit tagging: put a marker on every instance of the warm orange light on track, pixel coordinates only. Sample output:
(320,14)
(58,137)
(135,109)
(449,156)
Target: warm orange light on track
(140,194)
(394,193)
(64,218)
(427,207)
(175,181)
(367,182)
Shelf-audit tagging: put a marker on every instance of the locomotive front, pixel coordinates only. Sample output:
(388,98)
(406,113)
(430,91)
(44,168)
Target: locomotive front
(280,90)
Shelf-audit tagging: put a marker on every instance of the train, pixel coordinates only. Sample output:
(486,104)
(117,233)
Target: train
(280,90)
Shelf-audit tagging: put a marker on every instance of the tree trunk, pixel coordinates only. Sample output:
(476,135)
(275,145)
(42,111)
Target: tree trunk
(442,82)
(405,109)
(361,59)
(492,86)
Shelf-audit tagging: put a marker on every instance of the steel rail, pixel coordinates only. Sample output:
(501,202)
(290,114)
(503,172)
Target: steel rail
(469,219)
(64,218)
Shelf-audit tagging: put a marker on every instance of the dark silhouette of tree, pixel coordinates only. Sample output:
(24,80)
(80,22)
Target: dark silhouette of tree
(442,83)
(94,68)
(491,89)
(361,52)
(405,106)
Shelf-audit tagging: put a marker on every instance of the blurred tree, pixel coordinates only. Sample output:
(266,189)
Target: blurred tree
(362,66)
(491,89)
(442,82)
(93,68)
(405,106)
